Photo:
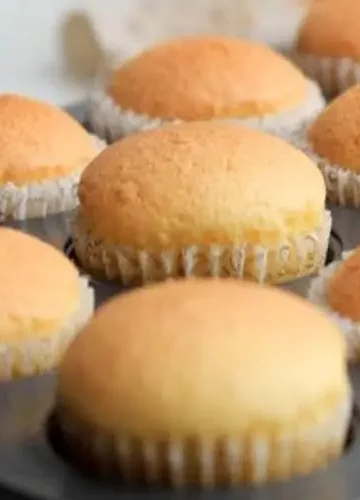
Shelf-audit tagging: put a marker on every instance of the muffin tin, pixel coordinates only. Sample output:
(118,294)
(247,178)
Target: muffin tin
(31,465)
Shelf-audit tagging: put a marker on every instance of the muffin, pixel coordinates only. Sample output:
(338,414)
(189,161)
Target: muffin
(44,303)
(204,78)
(328,46)
(332,141)
(183,383)
(43,151)
(201,199)
(336,290)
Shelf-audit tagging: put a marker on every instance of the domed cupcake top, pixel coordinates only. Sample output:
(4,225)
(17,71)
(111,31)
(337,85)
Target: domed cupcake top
(335,133)
(206,77)
(195,358)
(40,142)
(344,288)
(39,288)
(200,183)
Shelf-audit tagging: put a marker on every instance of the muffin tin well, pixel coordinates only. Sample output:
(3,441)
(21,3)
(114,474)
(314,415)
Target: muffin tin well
(30,466)
(51,229)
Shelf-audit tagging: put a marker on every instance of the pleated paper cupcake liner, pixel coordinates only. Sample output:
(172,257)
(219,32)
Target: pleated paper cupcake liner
(291,260)
(34,357)
(334,75)
(39,199)
(110,122)
(45,209)
(342,186)
(254,458)
(317,294)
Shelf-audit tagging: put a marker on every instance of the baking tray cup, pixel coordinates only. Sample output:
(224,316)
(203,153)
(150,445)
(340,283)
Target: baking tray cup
(346,220)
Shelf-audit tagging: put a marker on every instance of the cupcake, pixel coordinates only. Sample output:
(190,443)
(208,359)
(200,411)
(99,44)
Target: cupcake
(204,78)
(328,46)
(332,141)
(183,383)
(43,152)
(43,304)
(336,290)
(201,199)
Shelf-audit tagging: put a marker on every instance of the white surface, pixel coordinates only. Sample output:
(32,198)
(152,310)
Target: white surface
(31,60)
(48,86)
(130,24)
(30,55)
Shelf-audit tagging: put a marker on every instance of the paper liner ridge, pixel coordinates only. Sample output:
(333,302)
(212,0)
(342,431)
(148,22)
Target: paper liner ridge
(255,458)
(111,122)
(39,199)
(293,259)
(334,75)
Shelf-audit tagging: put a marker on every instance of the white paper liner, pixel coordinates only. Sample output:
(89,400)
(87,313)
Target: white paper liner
(317,294)
(40,199)
(33,357)
(254,458)
(334,75)
(293,259)
(342,186)
(109,121)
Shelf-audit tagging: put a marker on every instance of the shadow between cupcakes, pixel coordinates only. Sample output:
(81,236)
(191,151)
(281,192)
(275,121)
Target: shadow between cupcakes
(104,289)
(53,229)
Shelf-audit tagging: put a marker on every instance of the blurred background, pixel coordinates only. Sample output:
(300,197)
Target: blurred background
(53,49)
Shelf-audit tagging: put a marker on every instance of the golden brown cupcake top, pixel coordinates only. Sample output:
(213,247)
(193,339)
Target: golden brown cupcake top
(39,288)
(205,77)
(39,142)
(344,288)
(195,358)
(335,134)
(200,183)
(332,29)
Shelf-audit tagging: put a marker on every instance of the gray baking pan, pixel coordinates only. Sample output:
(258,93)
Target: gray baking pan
(32,467)
(347,223)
